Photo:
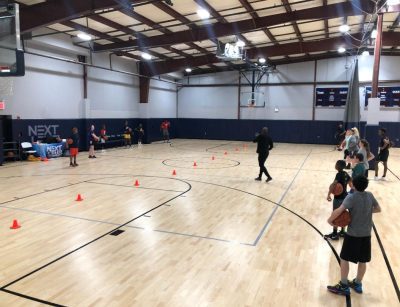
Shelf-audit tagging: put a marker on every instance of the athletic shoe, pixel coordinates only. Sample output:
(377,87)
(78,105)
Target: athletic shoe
(356,286)
(257,179)
(339,288)
(268,179)
(94,157)
(333,236)
(76,164)
(342,233)
(376,178)
(71,164)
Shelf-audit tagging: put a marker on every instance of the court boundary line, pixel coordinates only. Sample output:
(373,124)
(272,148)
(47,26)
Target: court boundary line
(31,298)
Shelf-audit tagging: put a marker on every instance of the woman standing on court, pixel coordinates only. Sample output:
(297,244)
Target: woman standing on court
(264,145)
(93,138)
(383,153)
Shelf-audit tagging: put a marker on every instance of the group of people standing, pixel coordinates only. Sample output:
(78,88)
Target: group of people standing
(349,140)
(93,138)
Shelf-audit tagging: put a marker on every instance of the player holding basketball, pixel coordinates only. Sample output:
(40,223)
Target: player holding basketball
(127,135)
(357,241)
(383,154)
(264,145)
(73,144)
(165,125)
(343,179)
(93,138)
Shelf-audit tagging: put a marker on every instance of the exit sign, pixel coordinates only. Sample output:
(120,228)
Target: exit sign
(2,105)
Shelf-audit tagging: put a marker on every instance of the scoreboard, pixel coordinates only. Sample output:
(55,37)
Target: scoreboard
(390,96)
(331,97)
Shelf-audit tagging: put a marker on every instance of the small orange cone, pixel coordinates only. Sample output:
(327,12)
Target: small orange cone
(237,149)
(136,183)
(225,153)
(213,158)
(15,225)
(194,164)
(79,198)
(174,173)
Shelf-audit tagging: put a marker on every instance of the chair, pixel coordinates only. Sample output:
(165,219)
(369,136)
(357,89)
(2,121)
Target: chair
(27,148)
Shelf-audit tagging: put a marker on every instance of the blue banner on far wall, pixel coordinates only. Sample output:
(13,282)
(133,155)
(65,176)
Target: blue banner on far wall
(390,96)
(331,97)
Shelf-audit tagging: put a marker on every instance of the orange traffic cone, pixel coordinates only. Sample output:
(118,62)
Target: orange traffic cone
(174,173)
(213,158)
(237,149)
(136,183)
(15,225)
(194,164)
(79,198)
(225,153)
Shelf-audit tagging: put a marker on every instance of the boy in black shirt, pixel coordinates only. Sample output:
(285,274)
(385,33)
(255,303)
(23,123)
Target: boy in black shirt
(342,178)
(73,144)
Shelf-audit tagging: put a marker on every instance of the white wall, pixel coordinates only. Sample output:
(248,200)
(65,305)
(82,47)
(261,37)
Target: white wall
(54,89)
(293,101)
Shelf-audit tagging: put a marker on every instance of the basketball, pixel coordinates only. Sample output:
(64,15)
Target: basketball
(70,141)
(336,189)
(342,220)
(96,138)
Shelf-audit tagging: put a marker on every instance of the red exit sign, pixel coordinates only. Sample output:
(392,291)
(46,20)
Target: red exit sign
(2,105)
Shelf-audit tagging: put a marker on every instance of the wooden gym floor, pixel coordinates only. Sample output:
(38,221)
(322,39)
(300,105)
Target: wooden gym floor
(209,236)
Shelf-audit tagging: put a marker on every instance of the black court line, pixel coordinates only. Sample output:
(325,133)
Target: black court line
(99,237)
(31,298)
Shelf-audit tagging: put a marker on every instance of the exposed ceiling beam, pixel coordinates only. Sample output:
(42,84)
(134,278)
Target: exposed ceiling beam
(159,68)
(223,29)
(54,11)
(326,24)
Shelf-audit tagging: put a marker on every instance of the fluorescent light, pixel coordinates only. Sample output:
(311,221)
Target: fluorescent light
(188,70)
(262,60)
(393,2)
(203,14)
(84,36)
(240,43)
(344,28)
(374,33)
(365,53)
(146,56)
(341,50)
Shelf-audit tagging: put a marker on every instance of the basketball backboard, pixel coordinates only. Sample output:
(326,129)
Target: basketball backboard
(11,54)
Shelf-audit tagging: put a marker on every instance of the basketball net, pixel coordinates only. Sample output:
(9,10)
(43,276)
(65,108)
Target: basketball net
(6,87)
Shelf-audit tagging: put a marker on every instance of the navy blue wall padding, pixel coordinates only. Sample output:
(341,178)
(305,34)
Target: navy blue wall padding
(288,131)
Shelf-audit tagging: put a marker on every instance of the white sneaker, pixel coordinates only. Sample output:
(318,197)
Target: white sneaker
(376,178)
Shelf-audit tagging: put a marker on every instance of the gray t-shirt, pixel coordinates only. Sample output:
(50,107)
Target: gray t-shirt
(353,143)
(360,205)
(364,153)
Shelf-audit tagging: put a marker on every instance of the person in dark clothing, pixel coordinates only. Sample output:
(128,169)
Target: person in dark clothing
(383,154)
(264,145)
(140,132)
(339,136)
(73,144)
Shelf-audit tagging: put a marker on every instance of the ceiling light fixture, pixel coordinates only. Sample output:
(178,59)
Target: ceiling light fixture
(188,70)
(146,56)
(341,50)
(203,13)
(240,43)
(84,36)
(344,28)
(365,53)
(393,2)
(262,60)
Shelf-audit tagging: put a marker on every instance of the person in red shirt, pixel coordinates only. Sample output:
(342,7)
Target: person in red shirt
(164,128)
(103,136)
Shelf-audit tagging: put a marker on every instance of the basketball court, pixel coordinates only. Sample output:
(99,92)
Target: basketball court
(179,220)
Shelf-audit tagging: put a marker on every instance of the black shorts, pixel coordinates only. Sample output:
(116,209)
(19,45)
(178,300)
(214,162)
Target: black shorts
(356,249)
(383,156)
